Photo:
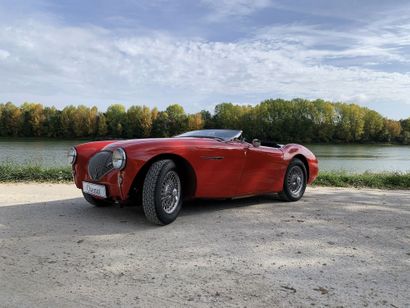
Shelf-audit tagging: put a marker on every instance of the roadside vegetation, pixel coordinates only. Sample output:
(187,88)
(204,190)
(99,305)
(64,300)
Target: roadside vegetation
(384,180)
(276,120)
(27,173)
(388,180)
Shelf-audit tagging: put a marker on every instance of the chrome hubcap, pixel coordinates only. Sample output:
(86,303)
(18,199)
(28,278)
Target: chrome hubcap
(295,180)
(170,192)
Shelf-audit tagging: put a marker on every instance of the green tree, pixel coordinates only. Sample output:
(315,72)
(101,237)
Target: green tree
(274,117)
(116,119)
(52,123)
(160,126)
(134,122)
(81,121)
(350,122)
(324,121)
(195,121)
(303,115)
(405,132)
(11,120)
(373,125)
(177,119)
(391,130)
(139,121)
(68,121)
(154,113)
(296,120)
(146,121)
(228,115)
(207,118)
(32,119)
(102,128)
(93,121)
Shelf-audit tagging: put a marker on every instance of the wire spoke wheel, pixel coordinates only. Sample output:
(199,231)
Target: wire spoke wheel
(170,192)
(295,180)
(162,192)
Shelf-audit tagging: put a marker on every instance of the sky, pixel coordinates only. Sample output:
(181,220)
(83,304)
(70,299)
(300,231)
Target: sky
(204,52)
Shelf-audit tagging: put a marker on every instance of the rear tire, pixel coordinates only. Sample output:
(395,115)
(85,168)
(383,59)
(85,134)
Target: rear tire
(161,193)
(295,181)
(94,201)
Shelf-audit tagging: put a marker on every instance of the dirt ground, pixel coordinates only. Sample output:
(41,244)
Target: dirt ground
(335,247)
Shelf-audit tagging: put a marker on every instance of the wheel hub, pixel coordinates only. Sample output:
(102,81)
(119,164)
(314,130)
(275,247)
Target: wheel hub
(295,180)
(170,192)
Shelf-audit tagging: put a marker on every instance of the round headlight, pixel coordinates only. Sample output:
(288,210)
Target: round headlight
(119,159)
(72,155)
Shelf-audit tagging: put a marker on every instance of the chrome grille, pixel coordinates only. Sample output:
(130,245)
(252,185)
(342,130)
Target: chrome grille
(100,164)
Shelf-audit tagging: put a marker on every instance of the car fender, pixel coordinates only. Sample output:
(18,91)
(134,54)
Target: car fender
(291,151)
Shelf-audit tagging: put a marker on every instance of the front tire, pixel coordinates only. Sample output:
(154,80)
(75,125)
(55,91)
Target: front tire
(295,181)
(161,193)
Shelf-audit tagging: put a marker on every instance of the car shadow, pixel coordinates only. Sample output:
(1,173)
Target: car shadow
(199,206)
(75,216)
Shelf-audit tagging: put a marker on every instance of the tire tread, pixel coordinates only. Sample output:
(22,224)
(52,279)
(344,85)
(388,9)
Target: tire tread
(148,191)
(283,195)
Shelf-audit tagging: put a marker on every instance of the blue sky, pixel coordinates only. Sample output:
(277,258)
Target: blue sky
(201,53)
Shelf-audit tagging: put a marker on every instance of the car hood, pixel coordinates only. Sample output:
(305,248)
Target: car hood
(130,142)
(152,142)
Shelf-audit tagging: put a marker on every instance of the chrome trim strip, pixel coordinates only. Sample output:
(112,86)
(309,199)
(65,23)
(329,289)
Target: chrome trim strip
(212,157)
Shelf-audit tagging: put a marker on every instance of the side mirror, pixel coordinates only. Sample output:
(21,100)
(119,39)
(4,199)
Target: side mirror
(256,143)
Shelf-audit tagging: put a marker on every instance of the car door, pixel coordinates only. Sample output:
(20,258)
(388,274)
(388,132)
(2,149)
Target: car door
(219,168)
(261,171)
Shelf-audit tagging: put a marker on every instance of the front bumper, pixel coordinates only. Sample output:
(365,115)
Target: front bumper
(111,181)
(118,183)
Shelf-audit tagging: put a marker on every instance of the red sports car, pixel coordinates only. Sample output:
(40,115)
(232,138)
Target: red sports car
(160,173)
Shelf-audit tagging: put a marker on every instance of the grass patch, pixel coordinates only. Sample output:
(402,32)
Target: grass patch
(28,173)
(383,180)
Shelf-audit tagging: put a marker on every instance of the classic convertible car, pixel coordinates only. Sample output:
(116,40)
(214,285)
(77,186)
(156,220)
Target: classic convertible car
(160,173)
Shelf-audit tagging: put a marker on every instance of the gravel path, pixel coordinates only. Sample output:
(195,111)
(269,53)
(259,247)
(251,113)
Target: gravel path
(335,247)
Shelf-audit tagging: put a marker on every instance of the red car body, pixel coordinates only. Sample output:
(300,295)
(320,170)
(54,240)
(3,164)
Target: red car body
(212,168)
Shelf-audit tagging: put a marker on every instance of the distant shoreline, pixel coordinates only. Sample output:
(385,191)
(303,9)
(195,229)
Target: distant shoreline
(298,120)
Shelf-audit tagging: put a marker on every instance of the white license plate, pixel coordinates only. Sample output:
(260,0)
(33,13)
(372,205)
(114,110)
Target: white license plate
(95,189)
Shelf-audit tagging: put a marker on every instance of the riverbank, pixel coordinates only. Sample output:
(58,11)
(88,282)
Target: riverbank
(28,173)
(381,180)
(384,180)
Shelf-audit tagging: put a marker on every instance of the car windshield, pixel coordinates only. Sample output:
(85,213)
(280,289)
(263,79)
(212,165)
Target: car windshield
(221,134)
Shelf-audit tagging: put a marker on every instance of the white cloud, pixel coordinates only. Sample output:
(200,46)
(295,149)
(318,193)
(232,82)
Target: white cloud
(315,43)
(83,64)
(222,9)
(4,54)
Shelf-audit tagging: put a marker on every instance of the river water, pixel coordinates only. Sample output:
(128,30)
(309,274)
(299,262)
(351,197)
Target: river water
(351,158)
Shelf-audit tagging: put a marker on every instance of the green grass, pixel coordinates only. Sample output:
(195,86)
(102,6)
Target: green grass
(383,180)
(27,173)
(386,180)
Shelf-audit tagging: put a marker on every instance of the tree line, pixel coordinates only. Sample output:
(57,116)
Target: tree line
(296,120)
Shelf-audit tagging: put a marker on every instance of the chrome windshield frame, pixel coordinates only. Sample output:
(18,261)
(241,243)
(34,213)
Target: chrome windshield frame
(237,134)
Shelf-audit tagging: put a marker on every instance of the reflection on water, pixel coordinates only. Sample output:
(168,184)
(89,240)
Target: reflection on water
(36,152)
(360,158)
(352,158)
